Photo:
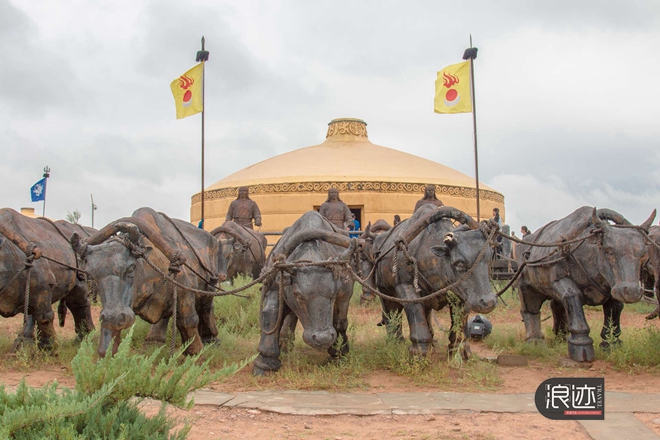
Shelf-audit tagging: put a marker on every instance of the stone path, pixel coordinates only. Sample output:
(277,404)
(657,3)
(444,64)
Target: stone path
(619,423)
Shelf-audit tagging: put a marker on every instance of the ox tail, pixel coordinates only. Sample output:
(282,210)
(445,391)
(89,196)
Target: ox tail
(61,312)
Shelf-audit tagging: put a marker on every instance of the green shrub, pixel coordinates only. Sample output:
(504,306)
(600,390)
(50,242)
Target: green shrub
(103,405)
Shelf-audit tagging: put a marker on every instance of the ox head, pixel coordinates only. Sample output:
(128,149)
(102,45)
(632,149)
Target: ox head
(113,266)
(313,292)
(458,254)
(231,245)
(618,253)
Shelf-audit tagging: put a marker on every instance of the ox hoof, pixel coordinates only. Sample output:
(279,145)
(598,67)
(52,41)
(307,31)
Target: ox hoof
(211,341)
(420,349)
(259,372)
(264,365)
(581,353)
(611,345)
(464,352)
(21,342)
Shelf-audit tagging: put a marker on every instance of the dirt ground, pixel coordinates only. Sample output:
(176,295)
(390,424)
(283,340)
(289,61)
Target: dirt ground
(210,422)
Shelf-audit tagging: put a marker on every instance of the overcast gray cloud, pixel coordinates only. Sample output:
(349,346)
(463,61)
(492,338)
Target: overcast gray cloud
(567,96)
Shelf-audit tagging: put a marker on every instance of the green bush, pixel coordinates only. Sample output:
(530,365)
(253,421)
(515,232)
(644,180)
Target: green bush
(103,405)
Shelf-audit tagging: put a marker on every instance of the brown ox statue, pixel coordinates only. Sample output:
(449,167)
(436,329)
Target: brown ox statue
(128,285)
(317,296)
(243,249)
(654,264)
(52,275)
(602,270)
(443,254)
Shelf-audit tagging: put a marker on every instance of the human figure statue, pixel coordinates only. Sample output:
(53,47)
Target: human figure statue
(429,197)
(524,230)
(335,210)
(243,210)
(397,219)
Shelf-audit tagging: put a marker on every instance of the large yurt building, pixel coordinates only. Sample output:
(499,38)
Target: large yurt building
(374,181)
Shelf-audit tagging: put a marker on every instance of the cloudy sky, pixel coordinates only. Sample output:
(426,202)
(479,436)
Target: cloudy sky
(568,97)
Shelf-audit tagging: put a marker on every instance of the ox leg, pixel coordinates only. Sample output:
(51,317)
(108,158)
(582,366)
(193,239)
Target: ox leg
(391,319)
(26,334)
(612,323)
(340,323)
(288,332)
(44,317)
(187,323)
(79,304)
(208,329)
(530,310)
(560,319)
(580,345)
(457,334)
(268,359)
(420,336)
(654,314)
(158,331)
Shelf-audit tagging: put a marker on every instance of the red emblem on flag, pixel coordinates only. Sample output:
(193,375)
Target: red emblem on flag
(451,97)
(185,83)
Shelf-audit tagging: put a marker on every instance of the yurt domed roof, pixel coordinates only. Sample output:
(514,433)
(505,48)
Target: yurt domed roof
(347,155)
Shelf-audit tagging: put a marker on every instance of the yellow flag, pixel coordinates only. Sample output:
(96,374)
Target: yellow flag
(187,91)
(452,89)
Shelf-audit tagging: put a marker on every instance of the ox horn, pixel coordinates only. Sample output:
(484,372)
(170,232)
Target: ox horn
(597,222)
(367,233)
(314,234)
(157,240)
(647,224)
(131,229)
(346,255)
(608,214)
(435,216)
(238,237)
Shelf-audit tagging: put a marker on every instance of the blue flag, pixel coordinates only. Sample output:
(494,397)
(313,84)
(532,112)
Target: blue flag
(38,191)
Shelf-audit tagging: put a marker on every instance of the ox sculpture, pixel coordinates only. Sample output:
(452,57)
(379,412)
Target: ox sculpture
(444,255)
(653,266)
(598,264)
(38,250)
(116,257)
(243,249)
(316,295)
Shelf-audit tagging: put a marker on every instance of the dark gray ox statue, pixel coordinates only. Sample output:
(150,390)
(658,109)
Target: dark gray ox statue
(654,265)
(317,296)
(444,254)
(601,270)
(52,277)
(242,248)
(128,286)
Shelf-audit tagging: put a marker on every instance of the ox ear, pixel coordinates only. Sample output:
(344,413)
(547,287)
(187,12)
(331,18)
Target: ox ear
(440,250)
(79,245)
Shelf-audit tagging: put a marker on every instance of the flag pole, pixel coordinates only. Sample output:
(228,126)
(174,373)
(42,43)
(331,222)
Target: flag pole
(471,54)
(94,207)
(203,57)
(46,176)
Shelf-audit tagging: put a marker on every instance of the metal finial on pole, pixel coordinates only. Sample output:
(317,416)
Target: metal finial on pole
(46,176)
(94,208)
(203,57)
(471,54)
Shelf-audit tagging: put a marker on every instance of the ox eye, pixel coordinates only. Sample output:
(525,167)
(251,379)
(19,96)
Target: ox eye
(460,266)
(130,270)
